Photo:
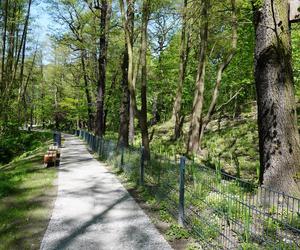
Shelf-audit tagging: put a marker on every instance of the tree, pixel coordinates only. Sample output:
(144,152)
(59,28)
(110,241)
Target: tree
(279,144)
(73,15)
(132,75)
(105,15)
(222,67)
(184,52)
(126,109)
(194,131)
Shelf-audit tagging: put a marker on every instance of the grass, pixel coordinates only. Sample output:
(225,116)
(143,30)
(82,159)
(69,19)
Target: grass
(26,195)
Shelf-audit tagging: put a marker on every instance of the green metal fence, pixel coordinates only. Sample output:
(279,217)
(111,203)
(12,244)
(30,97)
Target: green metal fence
(222,211)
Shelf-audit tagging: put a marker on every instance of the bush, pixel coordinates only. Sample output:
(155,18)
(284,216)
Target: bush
(13,143)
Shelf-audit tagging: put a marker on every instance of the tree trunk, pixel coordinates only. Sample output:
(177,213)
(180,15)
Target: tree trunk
(126,130)
(3,84)
(194,132)
(143,114)
(279,143)
(87,91)
(132,74)
(102,61)
(124,110)
(184,51)
(220,71)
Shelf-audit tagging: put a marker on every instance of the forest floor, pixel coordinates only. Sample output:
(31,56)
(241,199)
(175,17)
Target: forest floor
(230,142)
(27,194)
(93,210)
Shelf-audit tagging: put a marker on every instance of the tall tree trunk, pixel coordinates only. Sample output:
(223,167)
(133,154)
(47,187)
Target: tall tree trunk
(5,16)
(126,130)
(11,43)
(3,75)
(128,22)
(184,47)
(102,61)
(194,132)
(220,72)
(21,50)
(143,114)
(124,110)
(87,91)
(279,143)
(132,74)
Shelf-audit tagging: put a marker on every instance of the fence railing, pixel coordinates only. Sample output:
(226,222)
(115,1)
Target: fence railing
(222,211)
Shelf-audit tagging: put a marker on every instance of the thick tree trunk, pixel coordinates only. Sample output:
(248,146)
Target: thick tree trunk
(104,24)
(194,132)
(279,143)
(220,72)
(184,51)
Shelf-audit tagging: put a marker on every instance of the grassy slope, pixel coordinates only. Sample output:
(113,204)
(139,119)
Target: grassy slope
(233,143)
(27,193)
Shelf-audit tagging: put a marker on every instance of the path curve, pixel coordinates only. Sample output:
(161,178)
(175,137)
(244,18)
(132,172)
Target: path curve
(93,210)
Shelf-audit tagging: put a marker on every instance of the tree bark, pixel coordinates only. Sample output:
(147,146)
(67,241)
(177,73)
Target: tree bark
(124,110)
(126,130)
(279,143)
(102,61)
(143,114)
(194,131)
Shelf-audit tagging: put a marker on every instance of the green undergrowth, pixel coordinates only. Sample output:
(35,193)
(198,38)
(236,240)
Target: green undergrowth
(212,200)
(26,195)
(14,143)
(230,144)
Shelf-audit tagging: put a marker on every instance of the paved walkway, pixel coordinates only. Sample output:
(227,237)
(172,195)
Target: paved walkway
(93,210)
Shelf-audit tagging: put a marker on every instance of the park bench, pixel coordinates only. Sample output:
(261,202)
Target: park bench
(52,158)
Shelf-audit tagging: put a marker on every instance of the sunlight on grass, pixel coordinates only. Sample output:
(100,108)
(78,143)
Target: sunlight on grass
(26,195)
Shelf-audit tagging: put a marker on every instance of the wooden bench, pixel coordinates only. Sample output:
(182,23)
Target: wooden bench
(52,158)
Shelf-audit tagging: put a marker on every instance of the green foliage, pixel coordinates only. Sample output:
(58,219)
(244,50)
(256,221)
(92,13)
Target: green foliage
(176,232)
(14,143)
(271,227)
(249,246)
(164,215)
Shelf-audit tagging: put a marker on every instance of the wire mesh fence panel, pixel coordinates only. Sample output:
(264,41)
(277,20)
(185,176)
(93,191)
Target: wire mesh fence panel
(222,211)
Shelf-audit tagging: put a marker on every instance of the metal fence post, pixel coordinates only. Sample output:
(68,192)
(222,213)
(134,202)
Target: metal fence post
(181,191)
(94,143)
(142,166)
(99,147)
(122,156)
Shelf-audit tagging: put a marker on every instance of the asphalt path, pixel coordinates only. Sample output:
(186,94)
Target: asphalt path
(93,210)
